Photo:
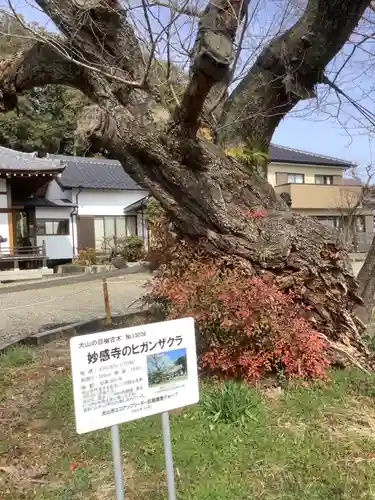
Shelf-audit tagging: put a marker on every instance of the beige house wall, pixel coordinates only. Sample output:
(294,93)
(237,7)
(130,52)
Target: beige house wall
(319,196)
(309,171)
(334,200)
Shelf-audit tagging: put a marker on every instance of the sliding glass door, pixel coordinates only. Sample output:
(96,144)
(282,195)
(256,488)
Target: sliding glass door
(113,227)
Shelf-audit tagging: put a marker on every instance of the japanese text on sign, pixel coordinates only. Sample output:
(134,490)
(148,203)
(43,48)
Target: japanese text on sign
(130,373)
(127,350)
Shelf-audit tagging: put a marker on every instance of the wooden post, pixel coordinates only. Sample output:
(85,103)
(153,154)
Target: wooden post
(108,319)
(44,253)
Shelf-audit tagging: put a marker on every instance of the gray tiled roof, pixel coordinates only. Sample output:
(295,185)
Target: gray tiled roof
(137,205)
(15,160)
(281,154)
(100,173)
(94,173)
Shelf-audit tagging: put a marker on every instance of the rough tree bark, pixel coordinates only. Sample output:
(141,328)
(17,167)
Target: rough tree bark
(366,279)
(207,194)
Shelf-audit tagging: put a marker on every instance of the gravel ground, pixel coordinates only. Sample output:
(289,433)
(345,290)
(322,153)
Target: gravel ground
(23,313)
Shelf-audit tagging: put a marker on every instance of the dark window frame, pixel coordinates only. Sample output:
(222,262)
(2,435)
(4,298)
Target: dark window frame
(336,219)
(295,174)
(360,222)
(44,221)
(115,217)
(324,177)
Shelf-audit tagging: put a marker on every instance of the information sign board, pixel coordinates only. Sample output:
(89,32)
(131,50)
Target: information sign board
(130,373)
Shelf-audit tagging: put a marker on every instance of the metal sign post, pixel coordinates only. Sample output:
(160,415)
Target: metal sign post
(116,453)
(168,455)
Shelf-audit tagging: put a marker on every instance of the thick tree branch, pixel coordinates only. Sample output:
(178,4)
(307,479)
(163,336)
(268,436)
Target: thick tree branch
(212,57)
(65,51)
(158,162)
(287,70)
(100,36)
(40,66)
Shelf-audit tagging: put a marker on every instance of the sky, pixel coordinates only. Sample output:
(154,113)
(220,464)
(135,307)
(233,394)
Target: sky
(326,138)
(315,131)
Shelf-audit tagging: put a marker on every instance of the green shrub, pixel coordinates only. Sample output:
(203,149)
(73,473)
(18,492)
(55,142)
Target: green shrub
(230,402)
(153,212)
(131,248)
(134,248)
(87,257)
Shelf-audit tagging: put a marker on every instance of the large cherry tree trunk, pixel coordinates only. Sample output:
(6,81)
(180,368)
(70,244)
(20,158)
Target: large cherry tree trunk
(209,196)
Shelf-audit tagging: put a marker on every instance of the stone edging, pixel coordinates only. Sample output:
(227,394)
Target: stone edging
(70,280)
(79,328)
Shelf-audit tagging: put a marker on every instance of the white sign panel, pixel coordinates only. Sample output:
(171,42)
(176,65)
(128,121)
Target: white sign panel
(129,373)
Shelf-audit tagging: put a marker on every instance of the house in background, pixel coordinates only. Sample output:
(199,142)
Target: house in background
(315,186)
(108,203)
(68,203)
(22,177)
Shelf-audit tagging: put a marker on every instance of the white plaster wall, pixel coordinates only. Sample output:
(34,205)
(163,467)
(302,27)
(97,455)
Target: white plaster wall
(357,260)
(3,201)
(309,171)
(4,225)
(106,202)
(57,246)
(4,229)
(55,192)
(73,228)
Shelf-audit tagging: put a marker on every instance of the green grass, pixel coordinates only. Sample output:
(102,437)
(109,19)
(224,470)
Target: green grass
(13,358)
(17,356)
(77,486)
(285,452)
(231,402)
(309,443)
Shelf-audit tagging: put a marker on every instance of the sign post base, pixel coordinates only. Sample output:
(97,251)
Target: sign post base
(116,453)
(169,469)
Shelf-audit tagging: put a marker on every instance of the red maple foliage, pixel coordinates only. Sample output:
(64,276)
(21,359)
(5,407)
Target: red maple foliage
(247,327)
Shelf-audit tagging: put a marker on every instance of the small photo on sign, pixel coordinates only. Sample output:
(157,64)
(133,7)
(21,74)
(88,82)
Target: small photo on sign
(165,367)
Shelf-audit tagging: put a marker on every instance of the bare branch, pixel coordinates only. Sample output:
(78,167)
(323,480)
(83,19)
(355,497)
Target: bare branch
(352,201)
(287,70)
